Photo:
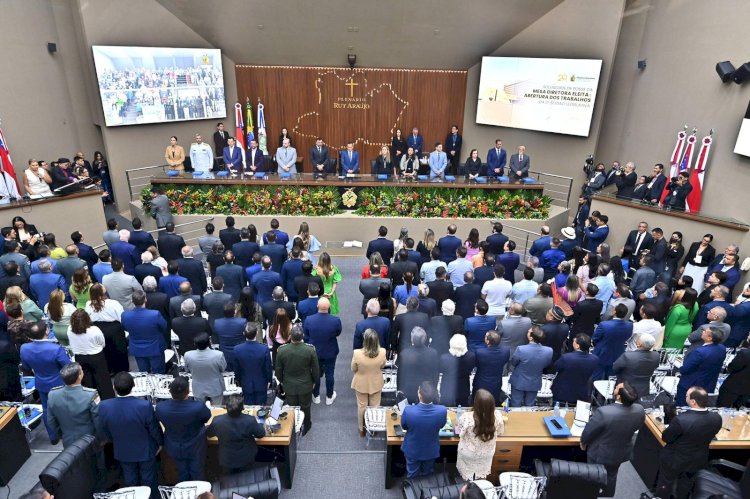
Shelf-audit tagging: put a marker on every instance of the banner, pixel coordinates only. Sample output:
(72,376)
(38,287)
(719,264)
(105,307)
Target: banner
(6,164)
(250,134)
(698,174)
(239,131)
(262,139)
(680,166)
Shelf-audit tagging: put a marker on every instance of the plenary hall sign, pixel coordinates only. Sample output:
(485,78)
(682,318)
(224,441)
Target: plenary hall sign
(549,95)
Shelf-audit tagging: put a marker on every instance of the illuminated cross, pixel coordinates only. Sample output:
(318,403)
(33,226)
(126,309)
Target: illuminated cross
(351,86)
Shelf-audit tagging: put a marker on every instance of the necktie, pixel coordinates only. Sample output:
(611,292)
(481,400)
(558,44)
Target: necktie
(520,158)
(638,241)
(350,156)
(318,149)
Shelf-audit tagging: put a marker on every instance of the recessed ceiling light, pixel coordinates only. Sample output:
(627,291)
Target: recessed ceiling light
(260,27)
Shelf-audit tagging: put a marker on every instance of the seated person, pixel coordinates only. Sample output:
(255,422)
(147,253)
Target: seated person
(473,166)
(236,433)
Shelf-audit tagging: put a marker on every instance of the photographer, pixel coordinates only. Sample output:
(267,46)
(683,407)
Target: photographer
(625,180)
(679,187)
(595,181)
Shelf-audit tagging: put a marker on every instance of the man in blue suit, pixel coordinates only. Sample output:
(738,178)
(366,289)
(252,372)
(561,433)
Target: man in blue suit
(45,282)
(86,252)
(45,358)
(416,142)
(309,306)
(729,267)
(528,363)
(702,366)
(233,275)
(275,251)
(497,239)
(741,324)
(233,157)
(289,271)
(130,424)
(254,161)
(438,162)
(609,340)
(448,245)
(184,430)
(381,245)
(551,258)
(497,157)
(282,237)
(422,423)
(170,283)
(541,244)
(245,249)
(322,331)
(380,325)
(138,238)
(349,160)
(718,299)
(192,269)
(596,235)
(574,371)
(147,329)
(490,364)
(656,184)
(475,328)
(264,281)
(126,252)
(510,260)
(252,367)
(231,333)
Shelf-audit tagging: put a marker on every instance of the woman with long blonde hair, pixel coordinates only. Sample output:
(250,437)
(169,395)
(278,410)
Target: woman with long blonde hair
(367,381)
(15,294)
(425,246)
(59,313)
(309,243)
(331,277)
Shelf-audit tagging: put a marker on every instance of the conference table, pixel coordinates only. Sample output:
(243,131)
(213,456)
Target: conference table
(731,443)
(525,437)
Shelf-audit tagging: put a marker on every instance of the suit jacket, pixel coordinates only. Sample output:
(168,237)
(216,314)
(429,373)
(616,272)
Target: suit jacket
(608,435)
(67,266)
(302,281)
(307,307)
(688,436)
(701,368)
(233,158)
(540,245)
(398,269)
(289,271)
(126,252)
(130,424)
(207,368)
(88,255)
(213,304)
(144,270)
(450,145)
(234,279)
(175,304)
(448,246)
(236,436)
(644,278)
(243,253)
(286,157)
(170,285)
(423,423)
(428,306)
(349,164)
(738,380)
(184,427)
(322,332)
(318,158)
(120,287)
(702,317)
(475,328)
(442,329)
(516,165)
(537,308)
(740,325)
(438,162)
(231,332)
(147,329)
(138,238)
(595,236)
(297,368)
(626,184)
(370,288)
(657,188)
(186,329)
(555,336)
(192,270)
(573,380)
(510,261)
(45,358)
(490,366)
(416,143)
(229,237)
(277,253)
(263,284)
(465,298)
(441,290)
(383,246)
(456,371)
(513,332)
(220,141)
(158,301)
(528,363)
(170,246)
(270,307)
(695,337)
(637,367)
(609,340)
(72,412)
(368,377)
(416,365)
(41,285)
(256,159)
(640,192)
(497,243)
(403,325)
(495,160)
(648,241)
(252,366)
(161,212)
(586,316)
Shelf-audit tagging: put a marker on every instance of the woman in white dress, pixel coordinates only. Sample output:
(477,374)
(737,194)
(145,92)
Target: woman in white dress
(36,180)
(478,429)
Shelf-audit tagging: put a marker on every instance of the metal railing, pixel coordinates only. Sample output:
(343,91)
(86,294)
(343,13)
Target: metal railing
(191,238)
(136,182)
(524,235)
(557,187)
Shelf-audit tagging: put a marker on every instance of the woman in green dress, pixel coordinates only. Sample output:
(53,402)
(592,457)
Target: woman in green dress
(80,289)
(330,276)
(679,323)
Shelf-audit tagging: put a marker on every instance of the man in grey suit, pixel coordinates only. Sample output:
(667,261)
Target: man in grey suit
(519,165)
(286,158)
(175,303)
(608,436)
(536,307)
(716,317)
(515,329)
(120,286)
(72,410)
(528,362)
(370,287)
(213,303)
(621,295)
(207,367)
(637,366)
(67,266)
(160,207)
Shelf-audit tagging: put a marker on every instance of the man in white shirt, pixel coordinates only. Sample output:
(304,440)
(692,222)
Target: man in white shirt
(427,272)
(458,267)
(496,291)
(201,155)
(647,325)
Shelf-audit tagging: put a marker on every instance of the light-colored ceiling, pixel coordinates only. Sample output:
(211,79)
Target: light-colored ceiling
(447,34)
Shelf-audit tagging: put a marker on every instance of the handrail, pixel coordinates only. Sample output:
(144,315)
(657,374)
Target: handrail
(146,168)
(185,223)
(551,175)
(129,179)
(520,229)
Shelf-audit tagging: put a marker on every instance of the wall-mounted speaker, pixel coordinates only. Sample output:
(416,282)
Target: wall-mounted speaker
(51,47)
(725,70)
(642,64)
(741,73)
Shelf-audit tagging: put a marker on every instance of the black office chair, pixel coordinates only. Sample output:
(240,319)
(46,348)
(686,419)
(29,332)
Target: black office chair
(567,479)
(709,483)
(440,485)
(74,473)
(257,483)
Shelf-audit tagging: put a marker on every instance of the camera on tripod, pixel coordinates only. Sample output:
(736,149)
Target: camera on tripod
(588,165)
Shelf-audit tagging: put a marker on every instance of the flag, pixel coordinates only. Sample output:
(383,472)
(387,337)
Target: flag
(5,162)
(697,175)
(684,165)
(678,147)
(239,133)
(250,134)
(262,138)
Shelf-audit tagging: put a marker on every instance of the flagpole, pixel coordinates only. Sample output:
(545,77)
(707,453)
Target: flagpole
(2,165)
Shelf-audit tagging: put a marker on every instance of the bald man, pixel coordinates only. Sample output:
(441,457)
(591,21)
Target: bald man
(322,331)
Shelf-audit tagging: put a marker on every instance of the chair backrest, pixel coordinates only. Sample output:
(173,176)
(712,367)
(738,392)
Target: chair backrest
(166,492)
(73,473)
(115,495)
(570,479)
(745,480)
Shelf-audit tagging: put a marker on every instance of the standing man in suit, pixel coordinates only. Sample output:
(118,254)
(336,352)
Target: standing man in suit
(574,371)
(123,250)
(322,331)
(130,424)
(289,271)
(252,367)
(519,165)
(309,306)
(687,439)
(233,275)
(438,162)
(510,260)
(497,239)
(595,181)
(490,364)
(529,362)
(147,330)
(230,235)
(638,240)
(275,251)
(417,364)
(138,237)
(370,287)
(207,368)
(297,370)
(658,251)
(86,252)
(465,297)
(382,245)
(608,436)
(192,270)
(497,157)
(254,160)
(637,366)
(702,367)
(597,234)
(245,249)
(221,141)
(184,430)
(170,283)
(448,245)
(170,244)
(476,327)
(349,160)
(188,325)
(380,325)
(234,159)
(537,306)
(121,286)
(587,313)
(514,330)
(404,324)
(319,159)
(416,142)
(265,281)
(441,289)
(453,143)
(541,244)
(201,155)
(422,422)
(609,340)
(72,410)
(286,158)
(656,184)
(236,433)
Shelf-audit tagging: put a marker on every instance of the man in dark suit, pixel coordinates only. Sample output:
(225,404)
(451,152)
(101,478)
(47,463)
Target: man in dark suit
(574,371)
(86,252)
(370,287)
(441,289)
(687,439)
(702,367)
(297,370)
(497,239)
(233,275)
(309,306)
(413,255)
(319,159)
(656,184)
(322,331)
(125,251)
(245,249)
(487,271)
(741,323)
(13,277)
(735,391)
(186,291)
(608,436)
(510,260)
(302,282)
(587,313)
(556,332)
(349,160)
(276,252)
(147,330)
(252,367)
(184,422)
(730,268)
(130,424)
(453,143)
(289,271)
(192,270)
(403,324)
(443,327)
(637,366)
(448,245)
(264,281)
(230,235)
(718,296)
(381,245)
(491,363)
(170,244)
(147,268)
(417,364)
(139,237)
(541,244)
(497,157)
(422,422)
(518,167)
(236,433)
(156,300)
(214,302)
(658,251)
(465,296)
(426,304)
(380,325)
(476,327)
(416,142)
(638,240)
(276,302)
(231,332)
(188,325)
(401,266)
(609,340)
(254,161)
(234,160)
(221,138)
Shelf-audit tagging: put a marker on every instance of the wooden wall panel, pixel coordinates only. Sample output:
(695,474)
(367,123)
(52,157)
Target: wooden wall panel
(364,105)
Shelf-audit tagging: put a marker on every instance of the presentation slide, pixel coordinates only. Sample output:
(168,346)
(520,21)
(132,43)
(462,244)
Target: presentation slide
(141,85)
(549,95)
(743,139)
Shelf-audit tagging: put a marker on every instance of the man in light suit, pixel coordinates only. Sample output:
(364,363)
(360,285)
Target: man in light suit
(528,362)
(252,367)
(438,162)
(121,286)
(715,318)
(609,340)
(322,330)
(349,160)
(233,157)
(497,157)
(213,303)
(254,160)
(286,159)
(702,367)
(519,165)
(422,422)
(319,158)
(514,329)
(207,367)
(637,366)
(608,436)
(416,142)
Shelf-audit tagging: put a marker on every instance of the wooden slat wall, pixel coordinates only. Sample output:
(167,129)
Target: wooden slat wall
(302,100)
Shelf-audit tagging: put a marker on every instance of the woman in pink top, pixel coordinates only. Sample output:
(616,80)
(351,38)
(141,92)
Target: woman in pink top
(472,244)
(279,331)
(572,292)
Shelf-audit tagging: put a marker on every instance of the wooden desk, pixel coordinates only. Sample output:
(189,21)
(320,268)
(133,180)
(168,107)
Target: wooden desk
(12,437)
(522,429)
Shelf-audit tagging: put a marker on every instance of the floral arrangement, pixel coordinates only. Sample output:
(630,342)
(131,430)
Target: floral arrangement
(452,203)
